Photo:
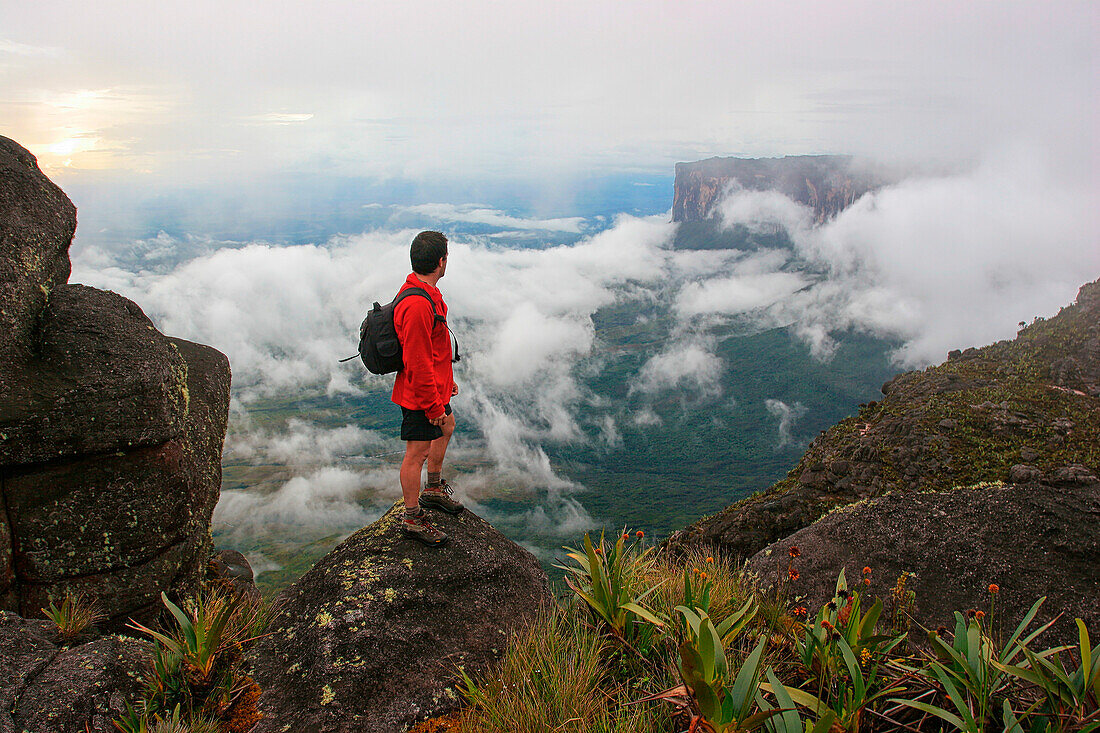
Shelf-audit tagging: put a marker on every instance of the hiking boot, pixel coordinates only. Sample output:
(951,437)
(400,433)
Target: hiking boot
(440,498)
(420,528)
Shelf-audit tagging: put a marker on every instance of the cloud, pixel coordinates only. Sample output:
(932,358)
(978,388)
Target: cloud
(282,118)
(936,262)
(689,367)
(299,443)
(787,415)
(475,214)
(330,498)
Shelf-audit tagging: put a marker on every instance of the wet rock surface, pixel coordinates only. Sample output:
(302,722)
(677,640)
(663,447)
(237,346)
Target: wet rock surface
(1030,540)
(372,637)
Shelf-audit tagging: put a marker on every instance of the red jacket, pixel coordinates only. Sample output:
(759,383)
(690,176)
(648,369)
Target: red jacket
(425,382)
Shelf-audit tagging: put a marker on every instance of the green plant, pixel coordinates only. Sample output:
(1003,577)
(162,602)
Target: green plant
(196,668)
(705,671)
(607,578)
(73,615)
(552,677)
(1071,699)
(970,670)
(844,660)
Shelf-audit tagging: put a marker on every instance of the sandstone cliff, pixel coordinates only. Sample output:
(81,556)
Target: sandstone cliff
(825,183)
(110,432)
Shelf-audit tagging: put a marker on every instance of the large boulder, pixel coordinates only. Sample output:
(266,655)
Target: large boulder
(110,432)
(1030,540)
(372,637)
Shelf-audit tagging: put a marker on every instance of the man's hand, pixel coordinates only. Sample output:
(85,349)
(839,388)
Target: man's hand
(454,389)
(437,420)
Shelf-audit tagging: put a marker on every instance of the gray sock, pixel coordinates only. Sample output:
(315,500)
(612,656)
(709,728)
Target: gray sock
(434,478)
(410,513)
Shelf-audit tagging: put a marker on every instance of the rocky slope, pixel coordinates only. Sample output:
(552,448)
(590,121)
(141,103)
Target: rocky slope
(110,432)
(1030,540)
(826,183)
(373,636)
(1017,411)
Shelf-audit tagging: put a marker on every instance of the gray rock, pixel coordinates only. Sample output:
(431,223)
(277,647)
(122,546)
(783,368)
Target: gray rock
(110,432)
(26,648)
(84,688)
(371,637)
(1030,540)
(37,222)
(1022,474)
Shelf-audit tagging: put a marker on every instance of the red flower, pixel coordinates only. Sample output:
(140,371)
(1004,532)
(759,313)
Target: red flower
(994,588)
(792,574)
(867,570)
(979,615)
(794,551)
(640,533)
(626,536)
(798,611)
(866,581)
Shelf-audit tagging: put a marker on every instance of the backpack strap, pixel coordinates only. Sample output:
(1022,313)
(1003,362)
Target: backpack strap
(438,318)
(422,293)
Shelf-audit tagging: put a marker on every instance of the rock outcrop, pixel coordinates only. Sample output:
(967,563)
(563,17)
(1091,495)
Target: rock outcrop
(48,687)
(1029,540)
(826,183)
(372,637)
(110,432)
(1021,410)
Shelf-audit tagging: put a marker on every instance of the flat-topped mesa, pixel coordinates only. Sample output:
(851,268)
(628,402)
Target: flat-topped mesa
(828,184)
(110,432)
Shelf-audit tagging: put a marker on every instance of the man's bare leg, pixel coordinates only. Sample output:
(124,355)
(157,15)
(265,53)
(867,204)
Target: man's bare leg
(439,446)
(416,452)
(436,494)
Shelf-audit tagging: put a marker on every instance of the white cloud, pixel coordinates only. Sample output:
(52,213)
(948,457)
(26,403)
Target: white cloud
(330,498)
(787,415)
(683,366)
(474,214)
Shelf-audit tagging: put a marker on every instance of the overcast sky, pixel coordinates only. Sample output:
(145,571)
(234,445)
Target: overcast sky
(204,88)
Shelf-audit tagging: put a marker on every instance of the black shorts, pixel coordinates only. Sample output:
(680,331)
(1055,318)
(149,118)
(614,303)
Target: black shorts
(415,425)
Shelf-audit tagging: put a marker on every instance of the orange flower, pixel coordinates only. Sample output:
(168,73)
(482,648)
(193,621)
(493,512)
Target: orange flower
(640,533)
(867,570)
(979,615)
(794,551)
(798,611)
(710,559)
(626,536)
(599,551)
(994,588)
(866,581)
(704,575)
(792,574)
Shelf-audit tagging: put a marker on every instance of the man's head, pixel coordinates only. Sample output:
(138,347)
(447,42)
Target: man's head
(428,253)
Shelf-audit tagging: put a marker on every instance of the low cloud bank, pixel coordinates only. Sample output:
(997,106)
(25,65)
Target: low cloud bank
(936,263)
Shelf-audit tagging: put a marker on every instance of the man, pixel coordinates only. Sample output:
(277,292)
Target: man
(423,388)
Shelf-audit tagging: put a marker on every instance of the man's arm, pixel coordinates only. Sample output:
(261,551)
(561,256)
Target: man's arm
(415,332)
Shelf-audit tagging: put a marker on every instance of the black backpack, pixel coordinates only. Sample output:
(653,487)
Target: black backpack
(379,347)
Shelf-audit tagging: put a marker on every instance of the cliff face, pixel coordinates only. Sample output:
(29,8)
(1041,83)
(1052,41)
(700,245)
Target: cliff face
(826,183)
(110,432)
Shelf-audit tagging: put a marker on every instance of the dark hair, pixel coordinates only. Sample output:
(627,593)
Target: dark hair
(428,248)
